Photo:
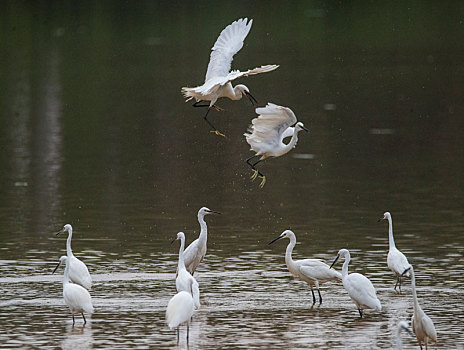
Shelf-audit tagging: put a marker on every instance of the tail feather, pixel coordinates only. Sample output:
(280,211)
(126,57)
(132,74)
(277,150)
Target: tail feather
(188,93)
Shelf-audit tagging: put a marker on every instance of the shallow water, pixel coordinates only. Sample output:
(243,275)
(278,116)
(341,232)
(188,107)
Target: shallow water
(94,132)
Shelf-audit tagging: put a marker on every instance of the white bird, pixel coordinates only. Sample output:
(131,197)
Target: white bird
(312,271)
(396,260)
(184,280)
(266,133)
(218,78)
(78,271)
(422,325)
(359,287)
(180,310)
(401,325)
(196,251)
(76,297)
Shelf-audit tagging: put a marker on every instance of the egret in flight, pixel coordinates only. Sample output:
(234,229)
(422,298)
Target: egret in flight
(218,81)
(396,260)
(78,271)
(359,287)
(184,280)
(179,311)
(76,297)
(402,325)
(312,271)
(196,251)
(266,133)
(422,325)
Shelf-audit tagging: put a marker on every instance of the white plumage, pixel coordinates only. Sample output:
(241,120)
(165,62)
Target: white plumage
(422,325)
(266,133)
(218,76)
(184,280)
(76,297)
(78,271)
(396,260)
(312,271)
(359,287)
(196,251)
(179,311)
(402,325)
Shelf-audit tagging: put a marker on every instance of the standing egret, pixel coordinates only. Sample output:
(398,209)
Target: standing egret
(218,78)
(76,297)
(180,310)
(359,287)
(312,271)
(422,325)
(78,272)
(196,251)
(396,260)
(184,280)
(401,325)
(266,134)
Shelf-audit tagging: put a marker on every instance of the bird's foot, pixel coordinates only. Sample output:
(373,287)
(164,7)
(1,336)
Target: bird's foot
(217,132)
(217,108)
(263,181)
(255,175)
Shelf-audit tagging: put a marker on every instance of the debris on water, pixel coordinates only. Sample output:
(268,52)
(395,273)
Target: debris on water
(303,155)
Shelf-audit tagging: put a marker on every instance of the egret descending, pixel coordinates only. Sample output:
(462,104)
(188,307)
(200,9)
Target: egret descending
(76,297)
(266,133)
(312,271)
(396,260)
(196,251)
(78,271)
(359,287)
(421,324)
(179,311)
(184,280)
(402,325)
(218,81)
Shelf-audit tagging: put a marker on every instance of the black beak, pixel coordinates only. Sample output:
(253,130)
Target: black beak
(409,331)
(409,268)
(57,266)
(276,239)
(175,239)
(334,261)
(60,231)
(213,212)
(253,100)
(305,129)
(380,219)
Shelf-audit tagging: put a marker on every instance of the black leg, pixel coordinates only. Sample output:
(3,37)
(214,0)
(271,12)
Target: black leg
(177,334)
(320,297)
(314,297)
(85,321)
(74,321)
(187,332)
(253,166)
(360,313)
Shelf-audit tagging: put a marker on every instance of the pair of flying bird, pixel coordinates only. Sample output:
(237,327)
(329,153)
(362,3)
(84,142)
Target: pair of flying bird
(273,124)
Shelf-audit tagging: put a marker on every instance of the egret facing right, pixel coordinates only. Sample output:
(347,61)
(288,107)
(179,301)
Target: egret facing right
(266,133)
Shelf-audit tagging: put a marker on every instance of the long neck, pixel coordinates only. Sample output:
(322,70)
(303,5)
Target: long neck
(68,245)
(399,343)
(391,241)
(288,252)
(292,142)
(66,274)
(345,266)
(203,228)
(181,263)
(413,285)
(237,95)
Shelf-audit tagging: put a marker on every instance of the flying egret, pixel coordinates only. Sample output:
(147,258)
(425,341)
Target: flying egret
(359,287)
(184,280)
(401,325)
(312,271)
(76,297)
(78,272)
(396,260)
(422,325)
(266,134)
(196,251)
(218,81)
(180,310)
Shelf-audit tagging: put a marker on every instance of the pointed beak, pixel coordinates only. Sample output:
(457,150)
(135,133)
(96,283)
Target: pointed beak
(405,271)
(334,261)
(213,212)
(60,231)
(253,100)
(409,331)
(57,266)
(276,239)
(305,129)
(175,239)
(381,219)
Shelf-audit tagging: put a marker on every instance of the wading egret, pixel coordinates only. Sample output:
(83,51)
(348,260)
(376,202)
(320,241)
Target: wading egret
(76,297)
(180,310)
(266,133)
(184,280)
(196,251)
(218,78)
(78,272)
(312,271)
(396,260)
(359,287)
(421,324)
(401,325)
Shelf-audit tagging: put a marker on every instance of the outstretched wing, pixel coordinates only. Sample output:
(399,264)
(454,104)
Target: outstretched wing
(229,42)
(272,121)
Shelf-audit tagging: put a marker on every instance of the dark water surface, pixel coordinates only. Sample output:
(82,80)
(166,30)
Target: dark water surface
(94,132)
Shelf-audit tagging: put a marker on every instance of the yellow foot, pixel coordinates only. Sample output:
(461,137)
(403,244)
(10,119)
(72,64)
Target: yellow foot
(263,182)
(217,108)
(255,174)
(217,133)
